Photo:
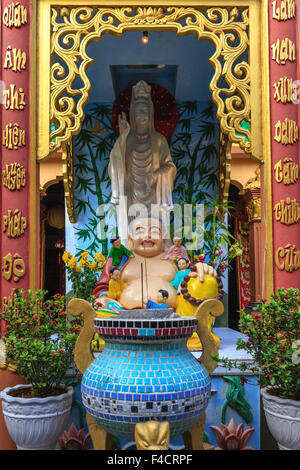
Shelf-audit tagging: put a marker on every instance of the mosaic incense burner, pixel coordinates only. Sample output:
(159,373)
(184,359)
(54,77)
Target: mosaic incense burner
(145,372)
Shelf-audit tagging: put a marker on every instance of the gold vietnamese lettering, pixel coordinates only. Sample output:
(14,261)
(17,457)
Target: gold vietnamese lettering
(14,224)
(286,171)
(285,11)
(13,136)
(283,50)
(14,99)
(287,258)
(286,132)
(285,90)
(13,267)
(14,176)
(287,211)
(14,59)
(15,15)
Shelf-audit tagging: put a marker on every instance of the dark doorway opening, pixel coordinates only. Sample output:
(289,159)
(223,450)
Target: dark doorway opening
(53,240)
(233,280)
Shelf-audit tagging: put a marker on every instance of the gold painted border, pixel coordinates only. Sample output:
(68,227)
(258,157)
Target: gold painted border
(34,227)
(266,131)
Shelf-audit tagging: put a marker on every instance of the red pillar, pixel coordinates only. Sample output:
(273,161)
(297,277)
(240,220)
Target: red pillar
(19,173)
(284,132)
(19,189)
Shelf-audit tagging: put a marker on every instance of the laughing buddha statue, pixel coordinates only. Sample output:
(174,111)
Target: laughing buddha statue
(148,244)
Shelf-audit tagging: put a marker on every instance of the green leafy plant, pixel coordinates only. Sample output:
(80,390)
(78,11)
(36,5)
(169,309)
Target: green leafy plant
(219,245)
(272,332)
(39,340)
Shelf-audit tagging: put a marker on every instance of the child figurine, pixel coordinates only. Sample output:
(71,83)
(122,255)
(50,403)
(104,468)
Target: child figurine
(115,286)
(161,297)
(183,266)
(117,251)
(176,251)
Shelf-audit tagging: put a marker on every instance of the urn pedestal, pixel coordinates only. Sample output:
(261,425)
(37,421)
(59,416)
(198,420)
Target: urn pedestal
(145,373)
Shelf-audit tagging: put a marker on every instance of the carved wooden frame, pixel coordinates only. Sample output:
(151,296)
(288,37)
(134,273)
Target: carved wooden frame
(65,31)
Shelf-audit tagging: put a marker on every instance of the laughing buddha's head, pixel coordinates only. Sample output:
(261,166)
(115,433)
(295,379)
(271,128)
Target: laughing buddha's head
(146,237)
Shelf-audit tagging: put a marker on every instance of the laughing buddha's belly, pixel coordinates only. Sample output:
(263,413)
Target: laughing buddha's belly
(131,296)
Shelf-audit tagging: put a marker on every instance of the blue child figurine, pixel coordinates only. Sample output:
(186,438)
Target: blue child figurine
(183,264)
(161,297)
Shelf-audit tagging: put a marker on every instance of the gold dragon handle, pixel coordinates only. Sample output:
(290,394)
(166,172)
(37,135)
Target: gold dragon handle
(83,356)
(208,307)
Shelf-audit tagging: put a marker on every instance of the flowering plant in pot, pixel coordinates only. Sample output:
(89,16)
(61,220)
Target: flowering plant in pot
(273,332)
(39,342)
(84,273)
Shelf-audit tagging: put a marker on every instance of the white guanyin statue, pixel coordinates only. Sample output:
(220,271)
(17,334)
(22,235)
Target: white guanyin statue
(140,166)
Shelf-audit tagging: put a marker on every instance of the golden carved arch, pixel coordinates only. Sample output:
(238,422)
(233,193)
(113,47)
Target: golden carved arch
(73,28)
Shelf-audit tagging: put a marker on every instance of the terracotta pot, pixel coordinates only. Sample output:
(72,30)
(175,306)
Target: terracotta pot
(7,379)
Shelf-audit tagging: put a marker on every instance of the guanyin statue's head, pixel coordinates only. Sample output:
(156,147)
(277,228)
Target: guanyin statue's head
(141,109)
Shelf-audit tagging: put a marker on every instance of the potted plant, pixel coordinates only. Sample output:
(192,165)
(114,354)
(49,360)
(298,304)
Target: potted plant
(273,333)
(39,343)
(84,271)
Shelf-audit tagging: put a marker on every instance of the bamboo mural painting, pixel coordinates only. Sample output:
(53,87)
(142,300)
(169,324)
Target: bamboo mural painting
(194,150)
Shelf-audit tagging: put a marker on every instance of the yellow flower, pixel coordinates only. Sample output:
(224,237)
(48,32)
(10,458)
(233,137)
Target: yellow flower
(78,269)
(66,256)
(72,263)
(93,265)
(84,254)
(99,257)
(83,262)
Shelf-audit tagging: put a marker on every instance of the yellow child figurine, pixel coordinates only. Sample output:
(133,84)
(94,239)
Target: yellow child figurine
(115,286)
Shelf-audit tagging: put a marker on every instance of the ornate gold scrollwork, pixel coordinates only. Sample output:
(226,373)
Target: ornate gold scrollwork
(253,198)
(224,169)
(73,29)
(68,178)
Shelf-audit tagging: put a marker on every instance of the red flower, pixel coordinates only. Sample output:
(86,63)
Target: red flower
(53,322)
(53,354)
(63,313)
